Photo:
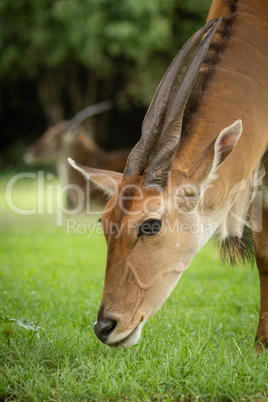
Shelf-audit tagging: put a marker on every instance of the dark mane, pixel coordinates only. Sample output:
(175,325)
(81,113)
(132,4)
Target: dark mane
(212,58)
(232,4)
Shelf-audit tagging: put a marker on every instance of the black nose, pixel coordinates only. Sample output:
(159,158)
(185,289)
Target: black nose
(103,328)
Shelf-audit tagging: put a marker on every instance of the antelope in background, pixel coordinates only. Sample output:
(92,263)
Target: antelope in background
(70,138)
(209,129)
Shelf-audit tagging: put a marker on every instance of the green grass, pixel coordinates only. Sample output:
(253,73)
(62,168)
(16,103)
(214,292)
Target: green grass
(199,346)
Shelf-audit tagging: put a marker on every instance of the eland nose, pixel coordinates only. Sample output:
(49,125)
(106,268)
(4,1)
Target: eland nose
(103,328)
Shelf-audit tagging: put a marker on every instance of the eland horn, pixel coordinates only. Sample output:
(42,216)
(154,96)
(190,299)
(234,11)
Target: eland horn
(157,120)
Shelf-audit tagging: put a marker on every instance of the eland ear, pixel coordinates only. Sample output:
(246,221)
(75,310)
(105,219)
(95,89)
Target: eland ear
(226,142)
(204,170)
(105,180)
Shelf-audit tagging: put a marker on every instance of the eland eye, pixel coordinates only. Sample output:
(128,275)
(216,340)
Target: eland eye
(150,227)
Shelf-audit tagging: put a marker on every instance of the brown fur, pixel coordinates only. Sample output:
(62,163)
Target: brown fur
(212,58)
(236,249)
(261,241)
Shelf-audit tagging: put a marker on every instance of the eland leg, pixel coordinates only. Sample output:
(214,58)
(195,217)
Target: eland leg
(261,253)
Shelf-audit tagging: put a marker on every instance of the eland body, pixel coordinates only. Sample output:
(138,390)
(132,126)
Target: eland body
(207,131)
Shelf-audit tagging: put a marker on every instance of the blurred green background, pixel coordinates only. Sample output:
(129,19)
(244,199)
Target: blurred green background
(60,56)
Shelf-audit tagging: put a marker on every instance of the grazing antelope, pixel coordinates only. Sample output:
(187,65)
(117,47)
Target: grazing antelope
(69,138)
(208,130)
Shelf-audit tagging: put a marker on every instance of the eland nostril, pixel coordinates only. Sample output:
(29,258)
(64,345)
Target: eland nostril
(103,328)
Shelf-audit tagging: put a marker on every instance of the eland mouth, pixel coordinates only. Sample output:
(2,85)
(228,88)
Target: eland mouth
(104,331)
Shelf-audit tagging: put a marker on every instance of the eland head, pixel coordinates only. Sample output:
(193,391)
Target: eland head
(157,218)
